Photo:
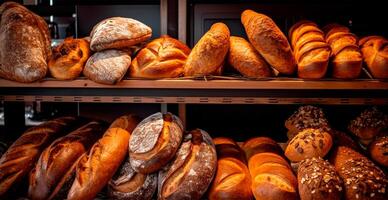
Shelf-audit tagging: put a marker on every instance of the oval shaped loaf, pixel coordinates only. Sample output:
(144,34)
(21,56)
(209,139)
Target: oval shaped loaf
(25,45)
(107,67)
(378,150)
(375,53)
(245,59)
(189,175)
(208,55)
(154,142)
(269,41)
(161,58)
(118,33)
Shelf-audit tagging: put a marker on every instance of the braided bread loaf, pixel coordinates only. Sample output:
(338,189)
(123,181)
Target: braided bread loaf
(311,51)
(346,55)
(161,58)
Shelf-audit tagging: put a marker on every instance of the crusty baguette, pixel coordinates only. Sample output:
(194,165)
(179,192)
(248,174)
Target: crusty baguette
(208,55)
(269,41)
(21,156)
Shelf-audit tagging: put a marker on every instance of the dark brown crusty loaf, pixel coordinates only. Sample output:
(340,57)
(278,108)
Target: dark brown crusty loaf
(118,33)
(25,45)
(269,41)
(232,179)
(309,143)
(318,180)
(272,176)
(128,184)
(163,57)
(21,156)
(189,175)
(306,117)
(375,53)
(311,51)
(154,142)
(245,59)
(368,124)
(59,157)
(208,55)
(345,52)
(95,168)
(362,179)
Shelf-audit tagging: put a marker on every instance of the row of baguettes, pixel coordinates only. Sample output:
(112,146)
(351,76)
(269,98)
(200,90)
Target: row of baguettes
(117,47)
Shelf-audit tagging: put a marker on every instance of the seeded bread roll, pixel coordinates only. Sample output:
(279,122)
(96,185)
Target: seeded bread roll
(378,150)
(308,144)
(306,117)
(318,180)
(368,125)
(344,139)
(362,179)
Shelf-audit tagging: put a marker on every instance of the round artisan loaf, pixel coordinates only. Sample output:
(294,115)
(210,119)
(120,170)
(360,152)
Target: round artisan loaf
(318,180)
(154,142)
(190,173)
(118,33)
(309,143)
(161,58)
(69,58)
(107,67)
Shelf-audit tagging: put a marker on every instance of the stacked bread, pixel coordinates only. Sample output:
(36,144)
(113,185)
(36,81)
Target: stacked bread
(272,176)
(375,53)
(311,51)
(346,54)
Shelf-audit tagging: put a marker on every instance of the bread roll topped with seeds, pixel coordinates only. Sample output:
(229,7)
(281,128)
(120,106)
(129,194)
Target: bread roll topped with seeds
(308,144)
(306,117)
(317,179)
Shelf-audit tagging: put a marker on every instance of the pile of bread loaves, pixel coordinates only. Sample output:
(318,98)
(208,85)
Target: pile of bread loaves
(105,56)
(78,158)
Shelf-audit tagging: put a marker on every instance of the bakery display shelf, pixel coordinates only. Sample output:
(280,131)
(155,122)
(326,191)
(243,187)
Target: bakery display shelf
(219,91)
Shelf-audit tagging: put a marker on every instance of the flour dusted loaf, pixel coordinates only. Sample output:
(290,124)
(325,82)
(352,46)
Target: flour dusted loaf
(154,142)
(208,55)
(25,45)
(245,59)
(318,180)
(189,175)
(22,155)
(107,67)
(232,179)
(269,41)
(118,33)
(161,58)
(69,58)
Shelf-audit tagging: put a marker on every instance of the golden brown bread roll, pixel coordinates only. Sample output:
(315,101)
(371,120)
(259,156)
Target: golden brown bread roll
(21,156)
(128,184)
(232,179)
(59,157)
(95,168)
(366,126)
(318,180)
(118,33)
(154,142)
(362,179)
(272,177)
(269,41)
(161,58)
(108,66)
(245,59)
(208,55)
(309,143)
(378,150)
(306,117)
(25,45)
(345,53)
(311,51)
(189,175)
(69,58)
(375,53)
